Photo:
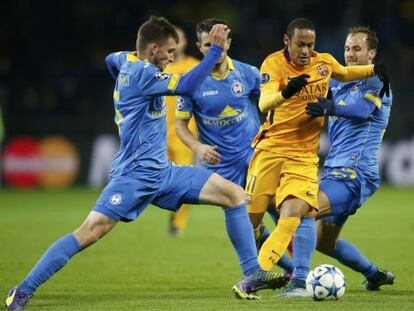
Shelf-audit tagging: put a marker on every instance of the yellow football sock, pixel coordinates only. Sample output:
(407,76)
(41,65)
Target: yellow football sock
(275,245)
(180,218)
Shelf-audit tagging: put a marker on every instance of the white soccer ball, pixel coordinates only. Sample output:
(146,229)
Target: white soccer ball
(325,281)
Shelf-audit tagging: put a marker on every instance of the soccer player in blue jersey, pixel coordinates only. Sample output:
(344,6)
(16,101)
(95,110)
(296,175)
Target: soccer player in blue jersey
(141,173)
(358,116)
(224,107)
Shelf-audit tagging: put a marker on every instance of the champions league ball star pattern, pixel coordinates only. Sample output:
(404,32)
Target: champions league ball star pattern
(325,281)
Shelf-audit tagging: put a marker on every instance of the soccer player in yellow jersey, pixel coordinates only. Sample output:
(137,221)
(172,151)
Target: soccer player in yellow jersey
(284,167)
(177,151)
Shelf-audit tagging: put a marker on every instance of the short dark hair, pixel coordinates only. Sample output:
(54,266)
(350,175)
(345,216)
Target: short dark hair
(207,24)
(299,23)
(156,29)
(372,39)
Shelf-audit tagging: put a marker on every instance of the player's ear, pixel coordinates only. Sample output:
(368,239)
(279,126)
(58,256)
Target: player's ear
(199,46)
(153,49)
(228,42)
(371,54)
(286,39)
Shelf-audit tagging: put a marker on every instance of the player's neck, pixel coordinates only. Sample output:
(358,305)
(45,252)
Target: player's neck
(143,56)
(221,68)
(179,57)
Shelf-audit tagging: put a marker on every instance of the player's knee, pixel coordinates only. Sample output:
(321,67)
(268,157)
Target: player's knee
(234,195)
(88,235)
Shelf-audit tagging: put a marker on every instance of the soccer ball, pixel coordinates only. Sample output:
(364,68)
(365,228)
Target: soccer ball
(325,281)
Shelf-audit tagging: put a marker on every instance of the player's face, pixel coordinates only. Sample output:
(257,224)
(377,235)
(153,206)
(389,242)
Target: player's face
(301,46)
(356,50)
(204,45)
(164,54)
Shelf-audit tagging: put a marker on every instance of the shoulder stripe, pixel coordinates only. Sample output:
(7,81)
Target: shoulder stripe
(182,114)
(172,84)
(374,99)
(132,58)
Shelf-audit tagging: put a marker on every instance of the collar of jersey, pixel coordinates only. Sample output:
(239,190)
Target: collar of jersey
(131,57)
(226,73)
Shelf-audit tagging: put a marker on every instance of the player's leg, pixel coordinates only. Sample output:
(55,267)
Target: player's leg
(124,198)
(291,212)
(261,235)
(262,180)
(200,186)
(57,255)
(178,220)
(179,154)
(341,201)
(296,198)
(231,197)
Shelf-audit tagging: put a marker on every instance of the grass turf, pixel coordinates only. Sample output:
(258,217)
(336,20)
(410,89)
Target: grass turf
(139,267)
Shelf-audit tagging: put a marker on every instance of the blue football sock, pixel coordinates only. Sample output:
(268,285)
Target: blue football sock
(284,262)
(241,234)
(304,243)
(348,255)
(51,262)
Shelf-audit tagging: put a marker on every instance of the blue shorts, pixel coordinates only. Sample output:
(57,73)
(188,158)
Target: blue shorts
(235,171)
(347,191)
(126,196)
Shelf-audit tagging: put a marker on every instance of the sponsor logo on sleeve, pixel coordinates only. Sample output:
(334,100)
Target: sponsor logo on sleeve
(161,75)
(180,103)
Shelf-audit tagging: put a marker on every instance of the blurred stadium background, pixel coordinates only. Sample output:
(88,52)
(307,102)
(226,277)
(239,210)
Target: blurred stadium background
(58,133)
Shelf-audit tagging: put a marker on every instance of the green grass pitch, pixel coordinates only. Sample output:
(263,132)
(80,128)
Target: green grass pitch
(139,267)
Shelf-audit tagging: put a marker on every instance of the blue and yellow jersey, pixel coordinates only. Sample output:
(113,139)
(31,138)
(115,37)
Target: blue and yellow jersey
(355,143)
(139,111)
(225,110)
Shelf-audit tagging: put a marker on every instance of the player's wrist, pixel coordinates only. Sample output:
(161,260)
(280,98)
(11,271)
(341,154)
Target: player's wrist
(195,146)
(216,49)
(287,93)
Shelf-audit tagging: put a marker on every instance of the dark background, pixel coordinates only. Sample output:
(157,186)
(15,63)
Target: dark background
(54,79)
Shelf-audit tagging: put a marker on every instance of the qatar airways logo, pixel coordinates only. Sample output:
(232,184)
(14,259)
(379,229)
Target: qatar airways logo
(311,92)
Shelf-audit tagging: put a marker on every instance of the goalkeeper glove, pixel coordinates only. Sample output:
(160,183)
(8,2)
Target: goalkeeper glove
(381,71)
(295,85)
(324,107)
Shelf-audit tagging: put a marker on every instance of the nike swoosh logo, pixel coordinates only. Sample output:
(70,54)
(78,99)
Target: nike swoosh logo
(9,299)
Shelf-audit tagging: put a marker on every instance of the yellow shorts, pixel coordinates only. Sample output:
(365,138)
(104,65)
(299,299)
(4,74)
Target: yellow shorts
(272,175)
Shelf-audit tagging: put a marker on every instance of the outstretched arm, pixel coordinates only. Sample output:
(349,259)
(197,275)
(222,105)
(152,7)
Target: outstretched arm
(190,81)
(153,82)
(353,73)
(360,110)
